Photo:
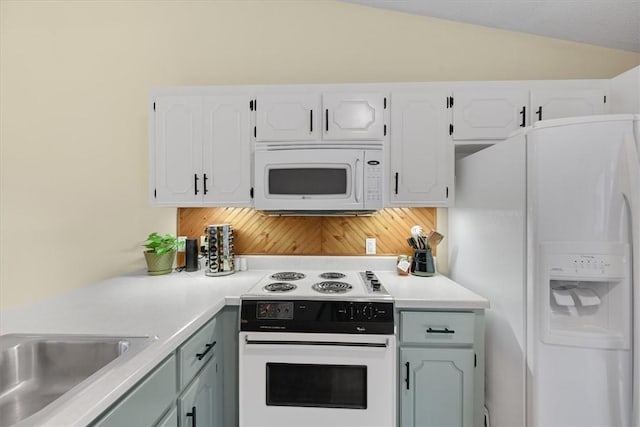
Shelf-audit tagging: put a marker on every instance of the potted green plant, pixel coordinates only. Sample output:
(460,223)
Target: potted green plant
(160,253)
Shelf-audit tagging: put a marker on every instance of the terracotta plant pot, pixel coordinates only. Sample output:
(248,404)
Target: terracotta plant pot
(159,264)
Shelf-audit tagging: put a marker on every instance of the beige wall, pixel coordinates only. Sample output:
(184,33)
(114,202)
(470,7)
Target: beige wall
(74,79)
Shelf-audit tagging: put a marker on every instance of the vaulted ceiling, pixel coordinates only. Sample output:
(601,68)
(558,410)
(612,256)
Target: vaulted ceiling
(608,23)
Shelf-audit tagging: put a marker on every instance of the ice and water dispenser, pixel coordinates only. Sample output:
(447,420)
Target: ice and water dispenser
(586,295)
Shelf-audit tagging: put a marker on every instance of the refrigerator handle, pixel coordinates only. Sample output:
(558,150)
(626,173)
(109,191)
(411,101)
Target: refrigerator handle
(633,198)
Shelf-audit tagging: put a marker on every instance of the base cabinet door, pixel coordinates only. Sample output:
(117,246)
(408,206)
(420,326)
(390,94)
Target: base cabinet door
(146,402)
(436,387)
(170,419)
(199,402)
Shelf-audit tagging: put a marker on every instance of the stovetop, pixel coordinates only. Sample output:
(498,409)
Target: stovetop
(319,284)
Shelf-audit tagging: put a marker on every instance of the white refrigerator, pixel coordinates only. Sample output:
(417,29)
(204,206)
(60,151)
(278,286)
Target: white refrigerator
(546,226)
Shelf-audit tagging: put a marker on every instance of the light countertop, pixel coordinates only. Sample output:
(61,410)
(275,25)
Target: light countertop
(172,307)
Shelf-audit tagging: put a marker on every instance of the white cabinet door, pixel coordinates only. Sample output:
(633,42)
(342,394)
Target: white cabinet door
(488,115)
(436,387)
(557,104)
(177,149)
(421,150)
(353,116)
(226,179)
(287,117)
(199,403)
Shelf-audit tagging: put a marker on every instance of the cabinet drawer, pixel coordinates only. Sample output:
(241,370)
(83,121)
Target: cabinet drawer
(197,350)
(437,328)
(147,401)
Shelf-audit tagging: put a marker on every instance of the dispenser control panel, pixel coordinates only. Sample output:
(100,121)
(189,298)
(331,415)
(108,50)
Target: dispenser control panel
(589,265)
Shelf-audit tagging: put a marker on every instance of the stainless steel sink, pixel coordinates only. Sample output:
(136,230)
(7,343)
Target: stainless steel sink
(37,370)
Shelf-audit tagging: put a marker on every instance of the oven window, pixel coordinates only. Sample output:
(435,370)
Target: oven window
(324,386)
(302,181)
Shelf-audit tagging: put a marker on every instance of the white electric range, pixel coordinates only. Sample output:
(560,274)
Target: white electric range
(317,348)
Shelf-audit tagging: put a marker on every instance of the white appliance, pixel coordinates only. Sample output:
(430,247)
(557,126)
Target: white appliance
(319,177)
(546,227)
(317,349)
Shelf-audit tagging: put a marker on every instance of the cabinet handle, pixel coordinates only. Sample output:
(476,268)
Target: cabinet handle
(396,190)
(522,112)
(192,414)
(195,183)
(310,121)
(539,112)
(440,331)
(407,367)
(205,184)
(326,120)
(208,347)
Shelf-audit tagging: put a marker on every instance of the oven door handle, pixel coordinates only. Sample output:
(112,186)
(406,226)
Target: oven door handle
(327,343)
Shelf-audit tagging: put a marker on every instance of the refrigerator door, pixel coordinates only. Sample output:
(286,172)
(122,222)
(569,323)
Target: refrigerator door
(580,273)
(633,197)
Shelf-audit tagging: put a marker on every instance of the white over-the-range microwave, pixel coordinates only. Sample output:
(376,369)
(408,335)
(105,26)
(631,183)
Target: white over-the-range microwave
(336,177)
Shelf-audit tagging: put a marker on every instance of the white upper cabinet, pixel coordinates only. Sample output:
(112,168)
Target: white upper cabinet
(319,116)
(353,116)
(488,114)
(177,150)
(421,151)
(287,117)
(226,150)
(624,91)
(557,103)
(199,151)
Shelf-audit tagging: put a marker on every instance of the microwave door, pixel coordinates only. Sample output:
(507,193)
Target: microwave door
(317,180)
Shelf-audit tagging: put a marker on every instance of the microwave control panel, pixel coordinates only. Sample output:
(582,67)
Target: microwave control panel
(373,180)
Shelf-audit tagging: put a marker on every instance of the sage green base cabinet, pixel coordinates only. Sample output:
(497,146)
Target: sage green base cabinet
(199,404)
(145,404)
(170,419)
(186,389)
(441,368)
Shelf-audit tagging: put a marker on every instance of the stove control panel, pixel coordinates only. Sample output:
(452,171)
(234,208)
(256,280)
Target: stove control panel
(274,310)
(319,316)
(362,311)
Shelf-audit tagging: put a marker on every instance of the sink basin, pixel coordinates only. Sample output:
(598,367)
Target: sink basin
(37,370)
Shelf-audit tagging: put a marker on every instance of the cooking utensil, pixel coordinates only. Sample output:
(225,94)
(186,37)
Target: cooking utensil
(434,238)
(416,231)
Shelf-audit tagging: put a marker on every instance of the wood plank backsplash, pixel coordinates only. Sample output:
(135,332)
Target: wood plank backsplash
(259,234)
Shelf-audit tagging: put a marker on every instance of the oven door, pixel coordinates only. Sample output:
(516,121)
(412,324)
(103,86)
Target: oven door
(308,179)
(305,380)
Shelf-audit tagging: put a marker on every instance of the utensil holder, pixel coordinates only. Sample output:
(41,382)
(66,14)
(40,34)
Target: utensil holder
(422,264)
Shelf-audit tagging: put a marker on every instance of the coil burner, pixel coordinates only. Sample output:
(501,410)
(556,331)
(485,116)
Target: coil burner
(331,287)
(332,275)
(288,275)
(279,287)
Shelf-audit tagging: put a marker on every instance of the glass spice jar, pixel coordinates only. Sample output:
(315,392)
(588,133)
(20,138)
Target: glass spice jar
(403,265)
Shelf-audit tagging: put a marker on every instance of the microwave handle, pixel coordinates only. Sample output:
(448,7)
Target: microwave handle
(358,183)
